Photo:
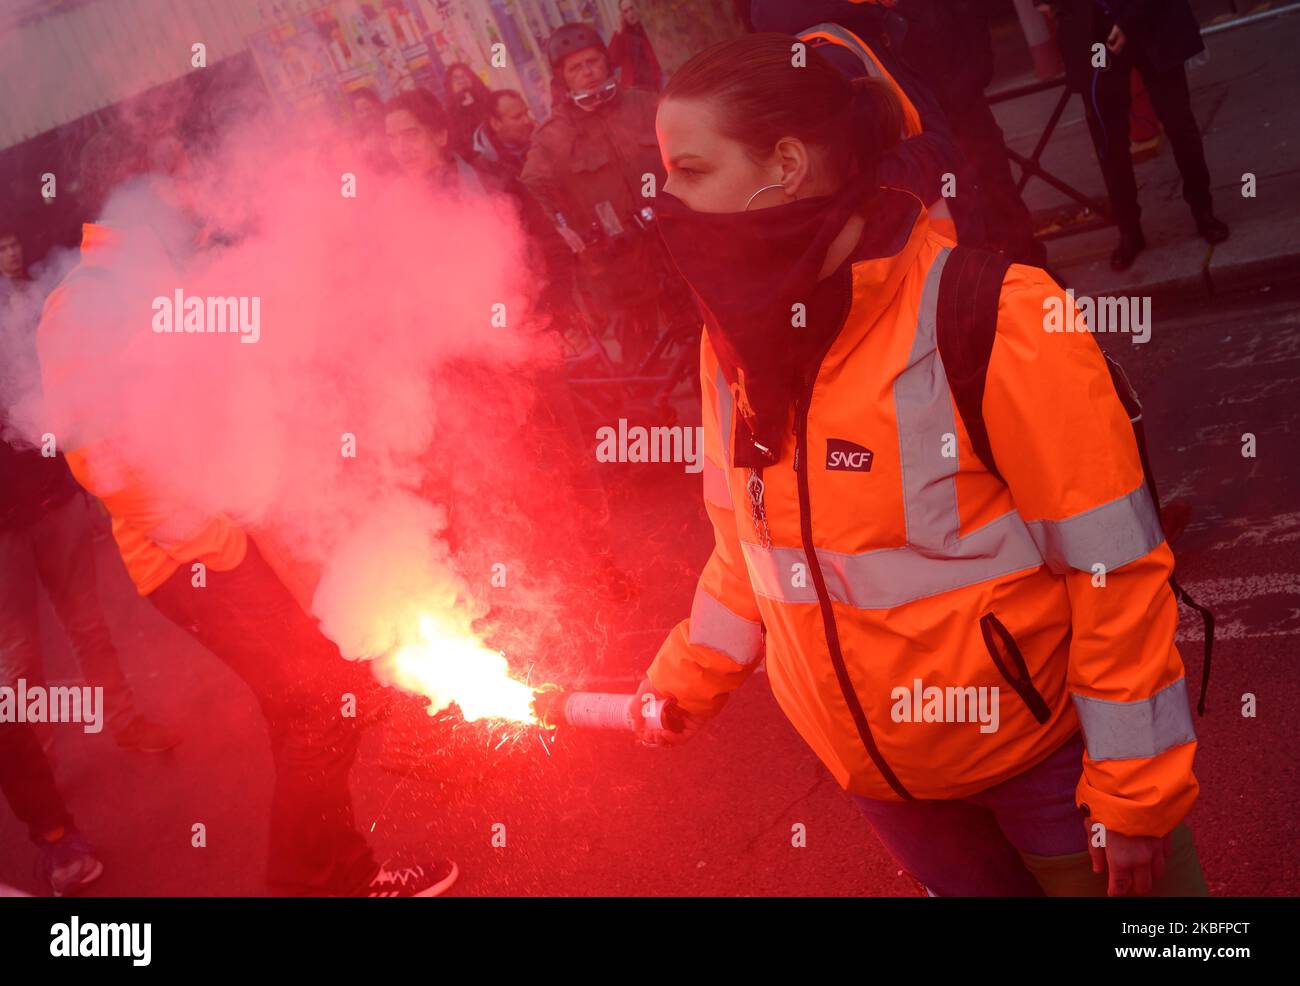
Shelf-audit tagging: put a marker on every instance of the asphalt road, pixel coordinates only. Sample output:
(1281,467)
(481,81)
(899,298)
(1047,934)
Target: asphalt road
(595,814)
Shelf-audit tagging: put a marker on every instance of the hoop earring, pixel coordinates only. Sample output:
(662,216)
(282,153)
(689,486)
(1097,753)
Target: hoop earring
(760,191)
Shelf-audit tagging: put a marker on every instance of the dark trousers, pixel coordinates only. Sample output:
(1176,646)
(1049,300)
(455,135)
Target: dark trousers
(1108,115)
(249,620)
(27,781)
(58,551)
(1007,225)
(1023,837)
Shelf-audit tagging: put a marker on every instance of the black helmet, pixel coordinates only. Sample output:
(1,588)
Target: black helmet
(572,38)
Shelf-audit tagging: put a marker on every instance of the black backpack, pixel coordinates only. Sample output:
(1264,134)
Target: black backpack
(966,318)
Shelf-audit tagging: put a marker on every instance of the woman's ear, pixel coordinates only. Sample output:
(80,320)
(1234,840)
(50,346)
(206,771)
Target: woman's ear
(796,173)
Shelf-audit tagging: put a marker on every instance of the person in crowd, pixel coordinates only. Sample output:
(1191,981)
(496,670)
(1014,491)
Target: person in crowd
(13,269)
(594,167)
(419,140)
(368,128)
(923,161)
(466,101)
(867,561)
(941,54)
(47,530)
(1102,42)
(67,863)
(502,140)
(631,54)
(46,537)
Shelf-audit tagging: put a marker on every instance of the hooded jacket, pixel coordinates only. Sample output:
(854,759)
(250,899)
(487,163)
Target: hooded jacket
(905,585)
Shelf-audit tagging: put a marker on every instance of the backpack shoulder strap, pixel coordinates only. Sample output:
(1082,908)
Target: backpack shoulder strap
(966,323)
(1129,398)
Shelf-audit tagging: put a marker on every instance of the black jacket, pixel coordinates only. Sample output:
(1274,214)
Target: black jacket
(1165,30)
(31,484)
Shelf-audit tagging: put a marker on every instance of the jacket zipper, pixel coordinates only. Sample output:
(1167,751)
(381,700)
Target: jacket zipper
(1018,679)
(823,596)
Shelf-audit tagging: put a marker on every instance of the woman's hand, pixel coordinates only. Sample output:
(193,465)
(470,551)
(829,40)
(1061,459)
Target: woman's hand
(651,736)
(1134,862)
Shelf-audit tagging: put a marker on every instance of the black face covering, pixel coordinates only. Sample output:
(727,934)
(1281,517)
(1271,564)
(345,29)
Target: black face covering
(748,270)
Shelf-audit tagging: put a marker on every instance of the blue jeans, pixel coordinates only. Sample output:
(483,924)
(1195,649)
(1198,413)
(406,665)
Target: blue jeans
(57,550)
(971,846)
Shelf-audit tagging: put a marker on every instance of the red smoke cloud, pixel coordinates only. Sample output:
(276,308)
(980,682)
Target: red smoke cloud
(379,328)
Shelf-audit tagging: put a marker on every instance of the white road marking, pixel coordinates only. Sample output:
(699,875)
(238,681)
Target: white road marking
(1220,594)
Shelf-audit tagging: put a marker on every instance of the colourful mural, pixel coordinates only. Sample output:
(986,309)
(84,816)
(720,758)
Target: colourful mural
(312,56)
(313,59)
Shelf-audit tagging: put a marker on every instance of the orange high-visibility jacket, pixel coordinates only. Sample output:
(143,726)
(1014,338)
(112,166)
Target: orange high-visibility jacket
(155,537)
(836,34)
(925,568)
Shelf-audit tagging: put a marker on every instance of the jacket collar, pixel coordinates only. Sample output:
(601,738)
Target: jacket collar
(857,294)
(130,251)
(98,244)
(897,226)
(896,230)
(483,144)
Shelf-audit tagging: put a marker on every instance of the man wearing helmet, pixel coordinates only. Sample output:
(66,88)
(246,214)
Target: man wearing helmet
(595,168)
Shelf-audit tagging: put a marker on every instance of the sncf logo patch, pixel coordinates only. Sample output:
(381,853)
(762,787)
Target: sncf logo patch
(847,457)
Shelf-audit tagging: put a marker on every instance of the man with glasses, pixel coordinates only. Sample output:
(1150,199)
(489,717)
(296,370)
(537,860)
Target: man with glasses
(594,166)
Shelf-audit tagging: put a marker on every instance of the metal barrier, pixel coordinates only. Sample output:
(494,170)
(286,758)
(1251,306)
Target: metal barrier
(654,359)
(1032,167)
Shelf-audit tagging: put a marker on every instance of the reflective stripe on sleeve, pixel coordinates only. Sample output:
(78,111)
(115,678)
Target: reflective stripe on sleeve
(1112,534)
(718,628)
(1135,730)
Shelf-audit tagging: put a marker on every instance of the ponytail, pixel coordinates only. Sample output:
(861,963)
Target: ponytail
(875,121)
(759,96)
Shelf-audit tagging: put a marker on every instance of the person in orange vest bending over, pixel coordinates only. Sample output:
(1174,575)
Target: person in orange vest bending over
(94,350)
(982,654)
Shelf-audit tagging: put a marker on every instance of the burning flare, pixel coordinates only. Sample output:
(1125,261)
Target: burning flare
(449,664)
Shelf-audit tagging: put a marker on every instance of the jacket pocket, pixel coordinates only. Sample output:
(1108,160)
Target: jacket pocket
(590,153)
(1010,663)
